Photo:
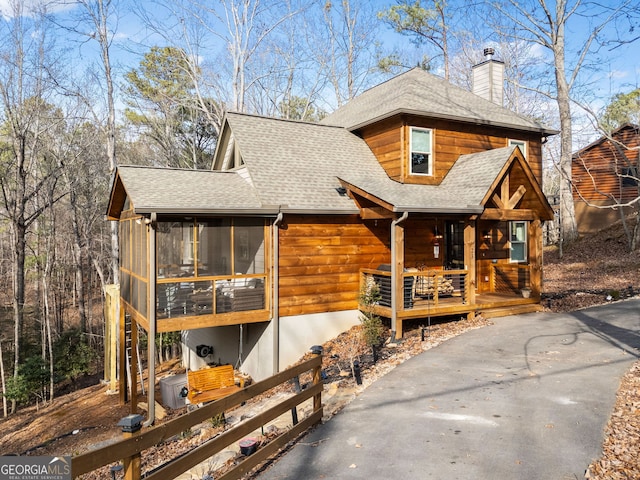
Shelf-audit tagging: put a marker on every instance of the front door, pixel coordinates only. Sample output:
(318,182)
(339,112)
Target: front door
(454,245)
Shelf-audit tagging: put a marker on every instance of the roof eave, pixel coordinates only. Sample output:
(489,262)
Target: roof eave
(321,211)
(262,211)
(545,132)
(470,209)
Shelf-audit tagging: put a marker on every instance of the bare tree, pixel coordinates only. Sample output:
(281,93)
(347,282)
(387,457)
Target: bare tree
(243,26)
(97,21)
(25,65)
(349,56)
(545,23)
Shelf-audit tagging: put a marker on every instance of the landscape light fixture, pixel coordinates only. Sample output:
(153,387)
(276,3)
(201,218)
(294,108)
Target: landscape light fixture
(131,423)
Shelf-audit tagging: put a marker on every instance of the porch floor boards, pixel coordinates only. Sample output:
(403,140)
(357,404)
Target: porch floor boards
(489,304)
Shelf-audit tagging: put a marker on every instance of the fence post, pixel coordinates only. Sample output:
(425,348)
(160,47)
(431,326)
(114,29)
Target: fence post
(131,425)
(294,409)
(317,377)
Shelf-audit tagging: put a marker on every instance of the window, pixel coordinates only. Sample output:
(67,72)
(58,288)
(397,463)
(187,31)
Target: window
(522,144)
(628,177)
(518,241)
(421,155)
(211,247)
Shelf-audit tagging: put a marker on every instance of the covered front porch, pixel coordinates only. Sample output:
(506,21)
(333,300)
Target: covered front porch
(435,293)
(471,244)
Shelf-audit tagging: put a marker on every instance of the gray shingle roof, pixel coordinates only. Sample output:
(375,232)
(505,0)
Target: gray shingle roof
(169,190)
(298,166)
(422,93)
(295,164)
(461,191)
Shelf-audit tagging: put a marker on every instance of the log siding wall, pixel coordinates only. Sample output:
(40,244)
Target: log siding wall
(595,170)
(389,139)
(320,261)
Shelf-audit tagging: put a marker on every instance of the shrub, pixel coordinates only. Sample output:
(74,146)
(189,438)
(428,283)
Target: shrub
(73,356)
(372,328)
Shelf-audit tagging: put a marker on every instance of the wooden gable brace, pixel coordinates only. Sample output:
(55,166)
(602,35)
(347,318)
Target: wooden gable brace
(504,200)
(506,204)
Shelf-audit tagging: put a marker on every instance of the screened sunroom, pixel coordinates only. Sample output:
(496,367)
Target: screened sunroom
(197,259)
(208,271)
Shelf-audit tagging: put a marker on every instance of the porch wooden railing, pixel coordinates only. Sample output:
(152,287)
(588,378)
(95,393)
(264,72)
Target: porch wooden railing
(182,297)
(421,287)
(129,450)
(509,278)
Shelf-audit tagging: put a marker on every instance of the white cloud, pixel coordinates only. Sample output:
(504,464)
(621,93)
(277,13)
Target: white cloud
(618,74)
(26,8)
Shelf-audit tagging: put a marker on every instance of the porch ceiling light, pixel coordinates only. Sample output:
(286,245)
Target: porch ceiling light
(436,233)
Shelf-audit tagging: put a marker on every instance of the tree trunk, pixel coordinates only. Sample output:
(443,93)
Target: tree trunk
(77,260)
(567,211)
(4,385)
(19,233)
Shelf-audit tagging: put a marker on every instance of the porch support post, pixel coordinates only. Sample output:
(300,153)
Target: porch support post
(470,262)
(535,258)
(151,315)
(397,266)
(122,351)
(133,363)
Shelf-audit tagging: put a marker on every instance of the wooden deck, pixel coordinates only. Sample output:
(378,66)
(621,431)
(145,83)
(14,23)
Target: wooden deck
(487,304)
(447,294)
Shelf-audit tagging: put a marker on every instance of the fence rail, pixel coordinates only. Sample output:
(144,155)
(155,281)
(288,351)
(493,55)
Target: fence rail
(129,449)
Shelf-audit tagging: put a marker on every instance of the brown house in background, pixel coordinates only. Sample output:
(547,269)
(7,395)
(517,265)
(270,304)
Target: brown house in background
(605,173)
(429,191)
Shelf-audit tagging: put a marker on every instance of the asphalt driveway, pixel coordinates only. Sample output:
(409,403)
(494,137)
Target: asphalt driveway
(526,398)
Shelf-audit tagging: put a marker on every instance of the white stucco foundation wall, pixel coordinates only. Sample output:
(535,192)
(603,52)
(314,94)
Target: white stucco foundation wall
(224,340)
(297,335)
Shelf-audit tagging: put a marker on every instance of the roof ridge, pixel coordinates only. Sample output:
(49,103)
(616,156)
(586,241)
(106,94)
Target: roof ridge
(279,119)
(151,167)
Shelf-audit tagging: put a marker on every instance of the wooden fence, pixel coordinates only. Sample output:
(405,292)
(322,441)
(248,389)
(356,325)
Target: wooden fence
(129,450)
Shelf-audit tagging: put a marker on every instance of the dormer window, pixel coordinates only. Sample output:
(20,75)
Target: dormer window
(421,151)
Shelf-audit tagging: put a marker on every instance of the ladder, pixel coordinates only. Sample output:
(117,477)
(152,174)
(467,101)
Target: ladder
(128,349)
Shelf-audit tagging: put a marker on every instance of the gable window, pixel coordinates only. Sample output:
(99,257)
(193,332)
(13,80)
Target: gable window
(521,144)
(518,241)
(421,155)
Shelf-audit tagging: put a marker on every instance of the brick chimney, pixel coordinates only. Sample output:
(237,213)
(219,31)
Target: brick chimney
(488,78)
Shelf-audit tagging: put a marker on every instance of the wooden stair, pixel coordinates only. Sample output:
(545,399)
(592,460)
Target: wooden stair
(510,310)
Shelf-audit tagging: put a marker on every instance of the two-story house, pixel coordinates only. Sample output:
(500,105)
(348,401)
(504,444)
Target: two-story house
(423,188)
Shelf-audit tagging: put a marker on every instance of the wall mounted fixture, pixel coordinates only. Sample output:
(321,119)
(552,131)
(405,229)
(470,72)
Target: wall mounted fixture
(486,234)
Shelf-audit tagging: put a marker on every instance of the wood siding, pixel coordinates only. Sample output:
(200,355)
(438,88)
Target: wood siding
(388,140)
(595,170)
(385,139)
(320,261)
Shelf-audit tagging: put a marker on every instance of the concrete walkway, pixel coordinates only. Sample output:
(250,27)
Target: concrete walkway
(526,398)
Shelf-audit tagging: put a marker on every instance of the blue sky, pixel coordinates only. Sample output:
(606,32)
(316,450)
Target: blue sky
(618,69)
